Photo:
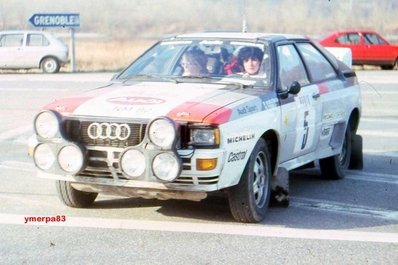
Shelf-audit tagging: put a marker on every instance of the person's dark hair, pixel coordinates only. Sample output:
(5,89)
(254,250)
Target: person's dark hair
(198,56)
(249,52)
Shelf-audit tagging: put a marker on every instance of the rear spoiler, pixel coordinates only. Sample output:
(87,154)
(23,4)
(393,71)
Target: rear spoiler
(342,54)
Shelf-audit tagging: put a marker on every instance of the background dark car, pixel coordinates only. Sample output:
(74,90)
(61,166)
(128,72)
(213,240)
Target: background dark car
(367,47)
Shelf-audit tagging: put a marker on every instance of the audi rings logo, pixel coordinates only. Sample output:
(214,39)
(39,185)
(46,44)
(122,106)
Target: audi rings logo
(112,131)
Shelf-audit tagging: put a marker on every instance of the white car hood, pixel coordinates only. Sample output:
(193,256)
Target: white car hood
(147,100)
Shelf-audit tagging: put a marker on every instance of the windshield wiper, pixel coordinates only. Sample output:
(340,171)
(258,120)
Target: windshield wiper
(149,77)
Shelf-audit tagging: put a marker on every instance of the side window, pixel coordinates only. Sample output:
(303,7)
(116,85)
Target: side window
(11,40)
(36,40)
(371,38)
(350,38)
(319,67)
(291,68)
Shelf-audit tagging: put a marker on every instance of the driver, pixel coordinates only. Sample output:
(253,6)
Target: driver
(194,63)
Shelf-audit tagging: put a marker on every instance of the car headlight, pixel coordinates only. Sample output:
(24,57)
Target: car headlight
(133,163)
(43,156)
(162,132)
(71,159)
(205,136)
(166,166)
(46,124)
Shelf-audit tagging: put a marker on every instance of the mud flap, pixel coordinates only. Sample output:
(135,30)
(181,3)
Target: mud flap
(280,188)
(356,161)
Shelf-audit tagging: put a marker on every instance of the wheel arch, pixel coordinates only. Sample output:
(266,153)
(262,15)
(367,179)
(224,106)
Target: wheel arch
(354,120)
(271,138)
(49,56)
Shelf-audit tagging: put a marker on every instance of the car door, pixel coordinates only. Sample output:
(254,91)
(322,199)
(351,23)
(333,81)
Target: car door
(301,113)
(377,49)
(11,50)
(355,42)
(36,48)
(332,95)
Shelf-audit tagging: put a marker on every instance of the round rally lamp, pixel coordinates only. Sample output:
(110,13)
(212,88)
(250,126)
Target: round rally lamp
(43,156)
(166,166)
(133,163)
(46,124)
(71,159)
(162,132)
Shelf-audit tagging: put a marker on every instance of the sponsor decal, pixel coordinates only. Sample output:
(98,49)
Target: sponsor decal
(240,138)
(326,131)
(304,100)
(136,100)
(271,103)
(335,115)
(246,110)
(233,157)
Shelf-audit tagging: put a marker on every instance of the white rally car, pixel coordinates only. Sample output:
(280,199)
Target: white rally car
(155,132)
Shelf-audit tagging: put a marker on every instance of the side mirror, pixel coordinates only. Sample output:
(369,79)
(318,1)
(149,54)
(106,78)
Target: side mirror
(294,88)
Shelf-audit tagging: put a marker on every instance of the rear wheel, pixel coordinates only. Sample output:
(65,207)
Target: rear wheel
(72,197)
(334,167)
(249,199)
(356,161)
(50,65)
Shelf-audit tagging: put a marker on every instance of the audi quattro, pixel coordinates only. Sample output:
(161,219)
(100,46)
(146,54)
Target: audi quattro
(154,132)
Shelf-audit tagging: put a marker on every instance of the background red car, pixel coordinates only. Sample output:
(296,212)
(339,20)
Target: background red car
(367,47)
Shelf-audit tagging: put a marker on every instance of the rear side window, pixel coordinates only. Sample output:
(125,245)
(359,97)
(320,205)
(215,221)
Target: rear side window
(371,38)
(319,67)
(37,40)
(11,40)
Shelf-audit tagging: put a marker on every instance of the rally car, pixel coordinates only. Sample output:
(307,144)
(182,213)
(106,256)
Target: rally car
(155,132)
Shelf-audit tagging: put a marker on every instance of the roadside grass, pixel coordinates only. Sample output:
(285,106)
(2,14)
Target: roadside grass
(99,56)
(105,56)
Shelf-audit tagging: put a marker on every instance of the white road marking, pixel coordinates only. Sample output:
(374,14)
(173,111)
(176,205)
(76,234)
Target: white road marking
(378,133)
(15,132)
(227,229)
(372,177)
(17,165)
(384,120)
(23,89)
(344,208)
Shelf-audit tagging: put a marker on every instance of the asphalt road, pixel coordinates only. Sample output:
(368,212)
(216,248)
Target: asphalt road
(351,221)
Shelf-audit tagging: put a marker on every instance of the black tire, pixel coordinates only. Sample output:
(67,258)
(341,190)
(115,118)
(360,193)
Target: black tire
(356,161)
(249,199)
(72,197)
(50,65)
(334,167)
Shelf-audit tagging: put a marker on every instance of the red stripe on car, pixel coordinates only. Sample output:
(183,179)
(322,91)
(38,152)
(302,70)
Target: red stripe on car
(67,105)
(323,89)
(200,112)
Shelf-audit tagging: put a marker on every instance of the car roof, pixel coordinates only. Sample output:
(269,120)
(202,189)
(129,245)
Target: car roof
(352,30)
(242,35)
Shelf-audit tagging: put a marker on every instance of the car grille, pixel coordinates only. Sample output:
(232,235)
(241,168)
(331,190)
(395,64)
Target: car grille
(77,131)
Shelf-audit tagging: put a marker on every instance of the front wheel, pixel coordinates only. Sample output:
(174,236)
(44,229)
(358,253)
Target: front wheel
(50,65)
(249,199)
(72,197)
(334,167)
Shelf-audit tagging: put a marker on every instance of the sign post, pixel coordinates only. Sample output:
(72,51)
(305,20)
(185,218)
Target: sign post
(59,20)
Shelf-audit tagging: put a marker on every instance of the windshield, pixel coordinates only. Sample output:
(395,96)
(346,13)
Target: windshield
(220,60)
